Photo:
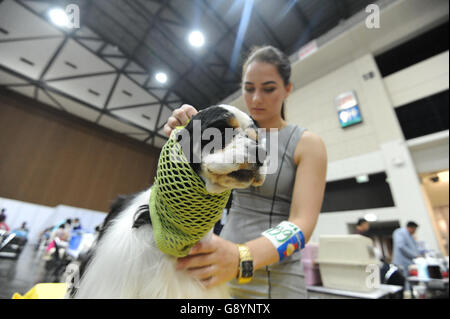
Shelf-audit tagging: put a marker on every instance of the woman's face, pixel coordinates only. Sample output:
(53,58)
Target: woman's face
(264,91)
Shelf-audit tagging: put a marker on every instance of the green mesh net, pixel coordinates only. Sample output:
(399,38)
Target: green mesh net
(181,210)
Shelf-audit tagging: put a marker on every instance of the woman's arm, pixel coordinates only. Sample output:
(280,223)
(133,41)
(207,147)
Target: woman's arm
(309,188)
(311,159)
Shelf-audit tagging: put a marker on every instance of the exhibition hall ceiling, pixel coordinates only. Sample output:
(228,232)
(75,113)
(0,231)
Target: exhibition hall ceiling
(127,64)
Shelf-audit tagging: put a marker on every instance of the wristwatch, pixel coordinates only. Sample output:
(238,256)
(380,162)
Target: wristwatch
(245,273)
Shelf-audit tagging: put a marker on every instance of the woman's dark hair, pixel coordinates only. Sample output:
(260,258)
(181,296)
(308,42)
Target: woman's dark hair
(361,221)
(271,55)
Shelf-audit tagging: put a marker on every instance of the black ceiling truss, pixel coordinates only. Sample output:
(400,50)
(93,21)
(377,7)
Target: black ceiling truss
(148,34)
(307,30)
(73,36)
(80,76)
(123,68)
(230,30)
(225,65)
(341,9)
(269,30)
(169,37)
(43,86)
(164,60)
(45,37)
(134,106)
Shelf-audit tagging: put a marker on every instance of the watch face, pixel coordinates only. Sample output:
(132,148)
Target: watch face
(247,269)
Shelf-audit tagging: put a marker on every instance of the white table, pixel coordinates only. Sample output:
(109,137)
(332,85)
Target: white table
(430,284)
(427,280)
(320,292)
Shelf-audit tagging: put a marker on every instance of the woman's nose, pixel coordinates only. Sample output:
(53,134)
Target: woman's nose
(257,96)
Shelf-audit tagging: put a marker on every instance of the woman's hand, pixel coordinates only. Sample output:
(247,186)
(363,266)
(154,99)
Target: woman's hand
(179,117)
(213,262)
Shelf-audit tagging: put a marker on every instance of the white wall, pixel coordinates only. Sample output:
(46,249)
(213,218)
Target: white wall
(419,81)
(377,144)
(312,106)
(430,153)
(373,146)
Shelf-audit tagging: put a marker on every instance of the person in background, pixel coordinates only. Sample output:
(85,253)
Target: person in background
(22,231)
(405,248)
(362,227)
(3,225)
(76,224)
(62,233)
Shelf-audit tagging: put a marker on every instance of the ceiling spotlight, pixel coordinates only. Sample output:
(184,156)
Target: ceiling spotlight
(196,39)
(161,77)
(59,17)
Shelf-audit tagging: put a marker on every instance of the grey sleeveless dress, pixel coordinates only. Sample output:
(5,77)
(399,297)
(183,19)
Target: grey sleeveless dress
(256,209)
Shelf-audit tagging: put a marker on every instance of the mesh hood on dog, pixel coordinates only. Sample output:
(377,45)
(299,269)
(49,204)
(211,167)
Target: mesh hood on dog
(192,186)
(181,209)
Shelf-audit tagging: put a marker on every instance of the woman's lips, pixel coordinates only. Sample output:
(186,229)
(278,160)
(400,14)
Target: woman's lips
(257,109)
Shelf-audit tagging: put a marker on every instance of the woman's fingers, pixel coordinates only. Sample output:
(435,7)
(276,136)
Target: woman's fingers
(179,117)
(172,122)
(190,110)
(195,261)
(210,281)
(202,272)
(204,247)
(213,261)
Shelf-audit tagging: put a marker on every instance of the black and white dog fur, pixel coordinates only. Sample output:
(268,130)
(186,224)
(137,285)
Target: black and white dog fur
(125,262)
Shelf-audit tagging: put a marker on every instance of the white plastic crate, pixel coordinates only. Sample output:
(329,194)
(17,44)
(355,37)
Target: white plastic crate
(348,262)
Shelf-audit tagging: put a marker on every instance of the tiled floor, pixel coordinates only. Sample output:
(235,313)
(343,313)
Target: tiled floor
(22,274)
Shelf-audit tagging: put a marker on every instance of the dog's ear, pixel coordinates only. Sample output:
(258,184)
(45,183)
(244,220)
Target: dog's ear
(190,138)
(190,145)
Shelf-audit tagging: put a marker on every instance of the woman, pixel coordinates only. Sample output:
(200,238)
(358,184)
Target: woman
(292,196)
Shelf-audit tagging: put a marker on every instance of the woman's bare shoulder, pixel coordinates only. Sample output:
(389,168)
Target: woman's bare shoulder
(310,144)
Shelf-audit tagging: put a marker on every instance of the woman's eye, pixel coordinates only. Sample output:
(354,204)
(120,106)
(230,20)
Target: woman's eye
(249,90)
(269,90)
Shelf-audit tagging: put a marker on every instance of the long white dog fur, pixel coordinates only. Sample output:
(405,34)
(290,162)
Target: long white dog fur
(127,262)
(129,265)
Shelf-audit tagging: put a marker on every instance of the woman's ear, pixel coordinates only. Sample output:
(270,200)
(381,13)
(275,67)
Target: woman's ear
(289,89)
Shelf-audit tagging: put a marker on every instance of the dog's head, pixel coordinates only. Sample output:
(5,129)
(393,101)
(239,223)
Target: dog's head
(222,146)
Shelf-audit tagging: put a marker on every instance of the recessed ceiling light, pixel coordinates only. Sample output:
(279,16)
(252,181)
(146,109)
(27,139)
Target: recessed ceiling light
(161,77)
(196,39)
(59,17)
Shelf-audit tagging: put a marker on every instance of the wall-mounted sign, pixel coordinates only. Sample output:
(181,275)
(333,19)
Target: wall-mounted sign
(308,49)
(348,109)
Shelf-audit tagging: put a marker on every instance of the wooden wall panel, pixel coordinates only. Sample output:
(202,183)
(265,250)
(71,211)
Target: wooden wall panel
(49,157)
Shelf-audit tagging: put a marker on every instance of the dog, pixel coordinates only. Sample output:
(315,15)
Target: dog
(126,261)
